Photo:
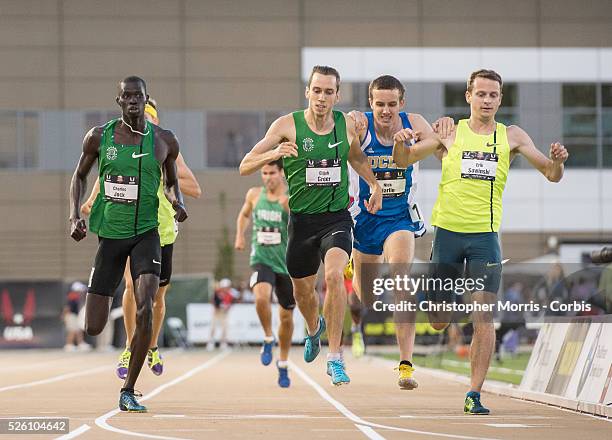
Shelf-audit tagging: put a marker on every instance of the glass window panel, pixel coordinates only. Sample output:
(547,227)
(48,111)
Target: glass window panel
(231,135)
(579,124)
(607,153)
(31,129)
(579,95)
(8,140)
(582,152)
(454,95)
(606,95)
(510,98)
(606,122)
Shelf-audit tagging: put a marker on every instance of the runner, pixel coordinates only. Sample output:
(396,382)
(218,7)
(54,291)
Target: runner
(315,145)
(269,207)
(131,153)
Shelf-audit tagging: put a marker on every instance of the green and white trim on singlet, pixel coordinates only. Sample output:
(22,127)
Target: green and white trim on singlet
(269,241)
(130,177)
(318,178)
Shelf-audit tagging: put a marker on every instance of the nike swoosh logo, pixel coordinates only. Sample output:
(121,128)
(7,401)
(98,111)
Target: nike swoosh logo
(338,232)
(492,264)
(333,145)
(491,145)
(156,262)
(136,156)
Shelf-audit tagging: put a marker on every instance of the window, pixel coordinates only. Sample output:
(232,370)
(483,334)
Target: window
(229,136)
(580,124)
(19,143)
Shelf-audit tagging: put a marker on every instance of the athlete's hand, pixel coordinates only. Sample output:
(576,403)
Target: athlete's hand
(405,136)
(361,121)
(374,203)
(86,208)
(78,229)
(444,127)
(558,153)
(285,149)
(181,212)
(239,243)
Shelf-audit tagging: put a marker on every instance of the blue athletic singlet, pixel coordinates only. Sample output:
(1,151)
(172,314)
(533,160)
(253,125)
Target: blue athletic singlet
(398,210)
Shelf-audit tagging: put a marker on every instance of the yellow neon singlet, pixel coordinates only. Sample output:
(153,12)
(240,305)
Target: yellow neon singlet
(474,174)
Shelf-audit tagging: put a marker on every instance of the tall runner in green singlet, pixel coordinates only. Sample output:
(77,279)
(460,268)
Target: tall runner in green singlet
(269,208)
(467,212)
(315,145)
(168,232)
(131,155)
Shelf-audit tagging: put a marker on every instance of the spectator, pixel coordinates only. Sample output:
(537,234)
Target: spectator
(70,316)
(223,298)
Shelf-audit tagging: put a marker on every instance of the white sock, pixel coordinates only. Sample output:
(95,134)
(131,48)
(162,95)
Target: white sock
(356,328)
(282,364)
(269,339)
(334,356)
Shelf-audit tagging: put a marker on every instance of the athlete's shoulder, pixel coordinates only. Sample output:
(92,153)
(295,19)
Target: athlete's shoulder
(516,136)
(93,137)
(253,194)
(165,134)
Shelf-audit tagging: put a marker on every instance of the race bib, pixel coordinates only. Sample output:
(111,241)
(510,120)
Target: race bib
(478,165)
(121,189)
(326,172)
(392,182)
(268,236)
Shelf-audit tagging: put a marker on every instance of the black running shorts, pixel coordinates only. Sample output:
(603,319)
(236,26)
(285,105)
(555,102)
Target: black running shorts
(281,284)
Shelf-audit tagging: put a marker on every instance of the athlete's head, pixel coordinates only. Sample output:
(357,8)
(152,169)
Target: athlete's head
(386,95)
(484,93)
(272,174)
(151,111)
(132,96)
(323,89)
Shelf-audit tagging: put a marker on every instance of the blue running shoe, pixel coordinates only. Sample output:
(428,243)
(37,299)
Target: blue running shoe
(266,352)
(128,402)
(312,344)
(335,369)
(283,377)
(473,405)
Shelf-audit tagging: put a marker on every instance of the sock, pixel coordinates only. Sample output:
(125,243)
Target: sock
(355,328)
(129,390)
(473,394)
(282,364)
(406,363)
(334,356)
(268,339)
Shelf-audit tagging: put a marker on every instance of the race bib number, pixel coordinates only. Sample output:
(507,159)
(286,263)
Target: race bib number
(479,165)
(326,172)
(268,236)
(415,213)
(121,189)
(392,182)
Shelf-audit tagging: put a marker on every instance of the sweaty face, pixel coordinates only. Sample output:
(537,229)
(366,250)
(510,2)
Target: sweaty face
(386,105)
(271,176)
(132,99)
(485,97)
(322,94)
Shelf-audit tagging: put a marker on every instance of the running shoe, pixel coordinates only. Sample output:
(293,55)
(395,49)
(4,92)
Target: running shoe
(312,344)
(154,361)
(124,362)
(128,402)
(405,380)
(283,377)
(335,369)
(358,346)
(473,405)
(266,352)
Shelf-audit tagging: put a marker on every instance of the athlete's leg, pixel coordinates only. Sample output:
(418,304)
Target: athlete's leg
(399,253)
(483,340)
(285,332)
(360,258)
(335,300)
(307,301)
(263,293)
(159,312)
(97,308)
(129,305)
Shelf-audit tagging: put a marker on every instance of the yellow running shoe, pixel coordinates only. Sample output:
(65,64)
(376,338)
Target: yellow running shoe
(358,346)
(406,381)
(124,362)
(155,362)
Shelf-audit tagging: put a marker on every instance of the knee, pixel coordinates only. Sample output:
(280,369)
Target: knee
(439,326)
(334,279)
(286,319)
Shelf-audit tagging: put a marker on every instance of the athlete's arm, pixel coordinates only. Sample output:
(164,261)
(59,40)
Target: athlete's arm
(361,165)
(552,168)
(404,154)
(187,181)
(244,218)
(172,190)
(361,123)
(275,145)
(78,184)
(95,190)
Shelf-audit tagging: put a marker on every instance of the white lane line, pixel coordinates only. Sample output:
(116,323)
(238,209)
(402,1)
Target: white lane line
(54,379)
(357,420)
(102,420)
(80,430)
(462,416)
(369,432)
(593,416)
